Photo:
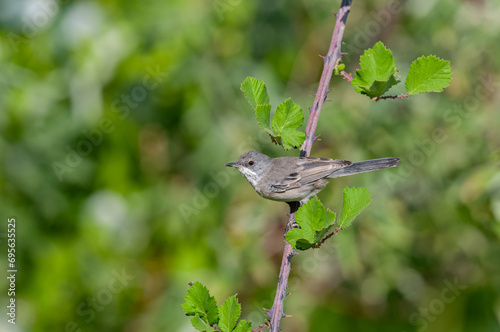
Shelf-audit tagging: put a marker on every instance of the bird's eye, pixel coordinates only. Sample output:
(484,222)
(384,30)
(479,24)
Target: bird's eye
(250,163)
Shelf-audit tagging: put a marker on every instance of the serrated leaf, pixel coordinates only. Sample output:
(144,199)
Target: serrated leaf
(288,115)
(263,114)
(314,221)
(378,88)
(255,92)
(378,72)
(300,239)
(428,74)
(287,119)
(292,138)
(243,326)
(355,201)
(229,312)
(200,324)
(198,301)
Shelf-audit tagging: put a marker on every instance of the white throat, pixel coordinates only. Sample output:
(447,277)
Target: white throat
(251,176)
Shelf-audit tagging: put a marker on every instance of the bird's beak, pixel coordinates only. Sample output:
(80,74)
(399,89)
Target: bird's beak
(231,164)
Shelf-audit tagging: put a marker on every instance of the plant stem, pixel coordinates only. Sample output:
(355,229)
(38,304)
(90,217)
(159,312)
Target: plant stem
(401,96)
(276,312)
(327,237)
(330,62)
(346,76)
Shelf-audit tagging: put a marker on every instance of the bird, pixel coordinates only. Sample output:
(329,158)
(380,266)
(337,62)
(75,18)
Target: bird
(297,179)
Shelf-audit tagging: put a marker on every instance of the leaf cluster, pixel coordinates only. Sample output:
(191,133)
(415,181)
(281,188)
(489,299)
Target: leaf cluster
(316,222)
(286,120)
(379,73)
(207,316)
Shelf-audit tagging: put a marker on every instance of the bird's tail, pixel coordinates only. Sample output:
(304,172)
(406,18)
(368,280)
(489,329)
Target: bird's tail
(365,166)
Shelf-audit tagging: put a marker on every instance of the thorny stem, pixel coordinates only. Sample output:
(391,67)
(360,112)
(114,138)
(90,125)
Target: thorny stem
(393,97)
(327,237)
(259,329)
(346,76)
(331,60)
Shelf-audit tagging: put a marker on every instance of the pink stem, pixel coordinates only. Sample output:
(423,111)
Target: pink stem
(330,62)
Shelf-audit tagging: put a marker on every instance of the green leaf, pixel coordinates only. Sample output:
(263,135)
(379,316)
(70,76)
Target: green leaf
(263,113)
(355,201)
(286,120)
(255,92)
(200,324)
(243,326)
(315,222)
(229,312)
(288,115)
(292,138)
(199,302)
(339,68)
(428,74)
(378,72)
(378,88)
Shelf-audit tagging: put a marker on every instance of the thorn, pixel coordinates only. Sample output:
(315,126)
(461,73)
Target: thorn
(328,99)
(343,53)
(321,56)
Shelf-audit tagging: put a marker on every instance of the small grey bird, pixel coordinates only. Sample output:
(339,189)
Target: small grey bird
(291,179)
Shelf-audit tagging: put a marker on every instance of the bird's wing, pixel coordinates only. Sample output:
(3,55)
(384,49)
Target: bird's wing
(307,170)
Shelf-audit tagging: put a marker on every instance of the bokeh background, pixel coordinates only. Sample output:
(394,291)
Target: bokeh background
(116,120)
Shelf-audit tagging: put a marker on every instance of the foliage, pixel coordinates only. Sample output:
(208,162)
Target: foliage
(287,119)
(199,303)
(355,201)
(379,73)
(428,74)
(207,316)
(315,222)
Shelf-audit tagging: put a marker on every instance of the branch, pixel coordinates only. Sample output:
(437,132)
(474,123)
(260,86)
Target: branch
(346,76)
(276,312)
(401,96)
(327,237)
(330,62)
(259,329)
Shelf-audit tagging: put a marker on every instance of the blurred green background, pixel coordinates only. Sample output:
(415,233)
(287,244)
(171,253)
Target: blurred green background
(117,118)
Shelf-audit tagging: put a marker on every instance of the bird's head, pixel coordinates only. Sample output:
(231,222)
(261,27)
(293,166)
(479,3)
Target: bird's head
(252,165)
